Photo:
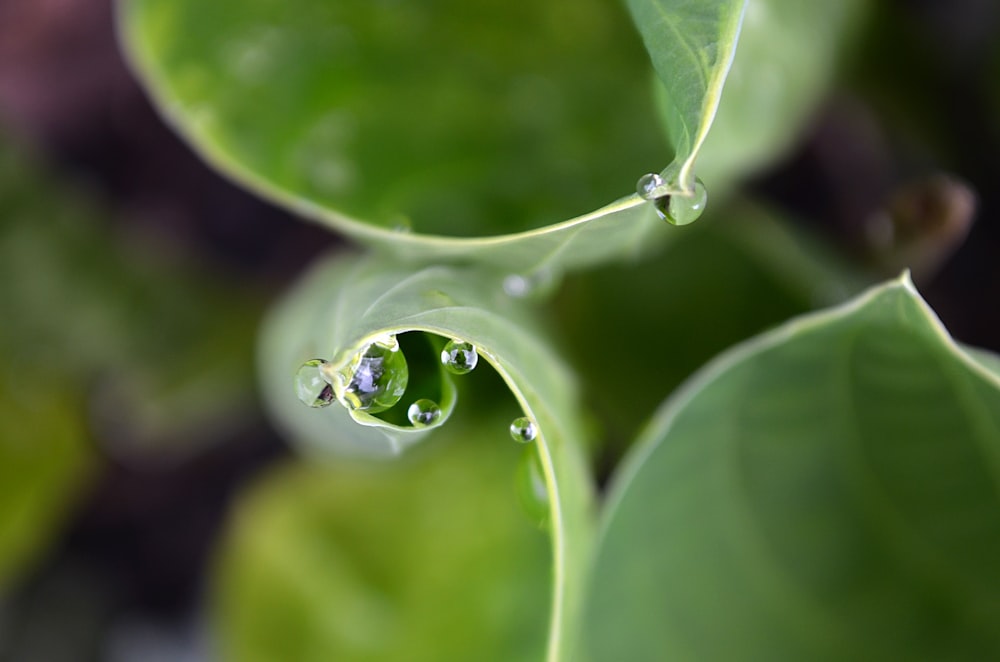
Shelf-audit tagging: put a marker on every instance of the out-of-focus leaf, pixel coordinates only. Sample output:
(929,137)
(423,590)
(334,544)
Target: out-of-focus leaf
(44,460)
(448,119)
(691,43)
(161,352)
(786,58)
(348,302)
(730,277)
(427,558)
(828,490)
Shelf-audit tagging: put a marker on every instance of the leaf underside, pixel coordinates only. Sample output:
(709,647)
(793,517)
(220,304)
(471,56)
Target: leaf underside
(691,44)
(827,490)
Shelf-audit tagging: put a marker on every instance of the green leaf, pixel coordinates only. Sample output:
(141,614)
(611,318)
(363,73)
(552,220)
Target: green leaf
(45,460)
(691,44)
(498,121)
(787,54)
(161,348)
(427,558)
(348,302)
(828,490)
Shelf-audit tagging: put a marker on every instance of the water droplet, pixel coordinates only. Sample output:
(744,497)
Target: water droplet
(459,357)
(649,186)
(681,210)
(529,482)
(423,412)
(310,385)
(376,378)
(538,283)
(523,430)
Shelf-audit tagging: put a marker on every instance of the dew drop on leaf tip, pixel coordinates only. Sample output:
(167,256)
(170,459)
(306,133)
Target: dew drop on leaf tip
(459,357)
(523,430)
(675,209)
(311,387)
(423,413)
(376,378)
(680,209)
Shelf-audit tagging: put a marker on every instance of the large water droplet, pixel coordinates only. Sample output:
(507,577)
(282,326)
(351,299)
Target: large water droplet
(423,412)
(529,482)
(649,186)
(681,210)
(310,385)
(459,357)
(523,430)
(376,378)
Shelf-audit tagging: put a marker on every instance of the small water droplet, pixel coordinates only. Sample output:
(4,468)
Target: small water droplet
(310,385)
(423,412)
(459,357)
(649,186)
(376,378)
(523,430)
(537,284)
(681,210)
(529,482)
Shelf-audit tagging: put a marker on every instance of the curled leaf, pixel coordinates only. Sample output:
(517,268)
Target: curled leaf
(347,303)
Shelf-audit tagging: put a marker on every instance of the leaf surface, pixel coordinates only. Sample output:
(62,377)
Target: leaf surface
(45,462)
(347,302)
(435,131)
(691,44)
(427,558)
(827,490)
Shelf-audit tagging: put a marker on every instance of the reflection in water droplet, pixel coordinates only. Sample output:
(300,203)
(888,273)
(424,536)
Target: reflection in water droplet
(423,412)
(376,378)
(310,385)
(681,210)
(649,186)
(459,357)
(523,430)
(529,482)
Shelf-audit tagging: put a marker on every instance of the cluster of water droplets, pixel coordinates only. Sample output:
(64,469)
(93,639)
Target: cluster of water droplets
(672,207)
(375,379)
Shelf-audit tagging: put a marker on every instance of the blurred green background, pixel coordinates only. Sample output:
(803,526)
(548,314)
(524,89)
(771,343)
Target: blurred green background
(133,278)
